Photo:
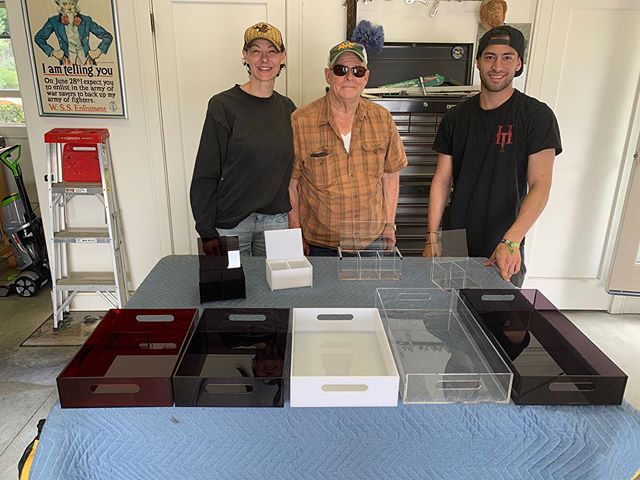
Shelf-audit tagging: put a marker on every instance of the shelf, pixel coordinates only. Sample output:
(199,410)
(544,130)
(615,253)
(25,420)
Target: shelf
(82,235)
(79,188)
(87,282)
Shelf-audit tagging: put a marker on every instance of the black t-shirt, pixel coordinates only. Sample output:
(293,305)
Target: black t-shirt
(244,160)
(490,150)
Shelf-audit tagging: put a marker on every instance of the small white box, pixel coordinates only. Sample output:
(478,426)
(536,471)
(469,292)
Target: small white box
(286,265)
(341,358)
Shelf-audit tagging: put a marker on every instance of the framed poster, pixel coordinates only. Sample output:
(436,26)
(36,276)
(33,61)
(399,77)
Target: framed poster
(75,54)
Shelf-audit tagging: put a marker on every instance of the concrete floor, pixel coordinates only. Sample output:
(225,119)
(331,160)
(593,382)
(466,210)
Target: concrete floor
(27,374)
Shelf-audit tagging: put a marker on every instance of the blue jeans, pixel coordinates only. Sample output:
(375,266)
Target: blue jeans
(250,232)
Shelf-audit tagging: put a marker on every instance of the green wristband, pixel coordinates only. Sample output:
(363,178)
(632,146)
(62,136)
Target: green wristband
(511,245)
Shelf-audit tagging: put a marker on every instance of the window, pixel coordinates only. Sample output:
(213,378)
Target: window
(11,111)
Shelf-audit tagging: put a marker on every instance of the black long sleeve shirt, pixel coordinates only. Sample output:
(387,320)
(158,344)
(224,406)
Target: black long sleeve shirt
(244,160)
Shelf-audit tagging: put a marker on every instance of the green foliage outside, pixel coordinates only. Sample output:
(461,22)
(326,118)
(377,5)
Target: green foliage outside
(8,77)
(4,25)
(9,112)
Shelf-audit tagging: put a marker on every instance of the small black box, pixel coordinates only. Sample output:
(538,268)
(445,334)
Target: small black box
(218,279)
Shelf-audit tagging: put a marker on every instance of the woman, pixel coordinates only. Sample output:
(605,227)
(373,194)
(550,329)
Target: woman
(241,176)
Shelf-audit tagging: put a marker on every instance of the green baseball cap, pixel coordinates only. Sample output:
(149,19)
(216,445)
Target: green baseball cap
(344,47)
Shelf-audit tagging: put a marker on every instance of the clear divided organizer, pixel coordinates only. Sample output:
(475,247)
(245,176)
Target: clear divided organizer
(365,254)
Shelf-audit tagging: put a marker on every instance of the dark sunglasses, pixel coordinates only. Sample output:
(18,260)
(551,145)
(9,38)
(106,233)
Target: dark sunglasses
(341,70)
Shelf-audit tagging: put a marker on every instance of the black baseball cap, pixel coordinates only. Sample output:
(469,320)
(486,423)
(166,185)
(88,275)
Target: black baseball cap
(503,35)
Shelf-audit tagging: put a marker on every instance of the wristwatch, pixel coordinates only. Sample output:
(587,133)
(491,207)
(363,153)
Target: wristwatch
(392,225)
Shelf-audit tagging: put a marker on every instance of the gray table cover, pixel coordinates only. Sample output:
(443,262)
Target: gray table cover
(416,442)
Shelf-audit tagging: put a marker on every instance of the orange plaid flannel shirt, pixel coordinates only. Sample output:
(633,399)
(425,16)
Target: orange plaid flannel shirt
(341,194)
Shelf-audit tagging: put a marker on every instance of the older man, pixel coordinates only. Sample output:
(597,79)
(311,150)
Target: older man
(347,159)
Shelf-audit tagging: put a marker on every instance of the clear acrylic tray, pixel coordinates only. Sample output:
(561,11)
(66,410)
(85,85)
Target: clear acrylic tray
(442,354)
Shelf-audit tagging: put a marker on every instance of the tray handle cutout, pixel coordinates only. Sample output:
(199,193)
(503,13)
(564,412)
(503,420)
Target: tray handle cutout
(83,148)
(356,387)
(157,346)
(572,387)
(458,385)
(246,317)
(117,388)
(336,345)
(155,318)
(228,389)
(498,298)
(323,317)
(415,297)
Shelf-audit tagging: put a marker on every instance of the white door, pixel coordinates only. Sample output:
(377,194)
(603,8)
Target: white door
(585,65)
(625,273)
(199,51)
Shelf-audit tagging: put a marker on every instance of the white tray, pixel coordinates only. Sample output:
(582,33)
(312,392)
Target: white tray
(341,358)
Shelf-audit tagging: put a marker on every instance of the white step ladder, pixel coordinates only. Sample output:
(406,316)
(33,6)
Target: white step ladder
(67,182)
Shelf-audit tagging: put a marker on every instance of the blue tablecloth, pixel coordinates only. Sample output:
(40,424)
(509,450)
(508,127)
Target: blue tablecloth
(408,442)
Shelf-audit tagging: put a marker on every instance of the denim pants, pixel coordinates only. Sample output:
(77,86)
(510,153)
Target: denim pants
(250,232)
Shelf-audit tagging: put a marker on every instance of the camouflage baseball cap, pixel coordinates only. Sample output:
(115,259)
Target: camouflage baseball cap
(267,32)
(344,47)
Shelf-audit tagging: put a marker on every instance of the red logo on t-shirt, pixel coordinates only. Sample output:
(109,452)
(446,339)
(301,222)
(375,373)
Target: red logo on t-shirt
(504,136)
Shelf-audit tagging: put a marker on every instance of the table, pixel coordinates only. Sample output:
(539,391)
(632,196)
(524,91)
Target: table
(173,283)
(453,441)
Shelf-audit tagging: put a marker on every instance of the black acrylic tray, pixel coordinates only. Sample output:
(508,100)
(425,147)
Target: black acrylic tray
(235,358)
(553,362)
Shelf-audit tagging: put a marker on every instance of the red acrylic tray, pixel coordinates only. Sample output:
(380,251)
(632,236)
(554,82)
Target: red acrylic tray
(128,360)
